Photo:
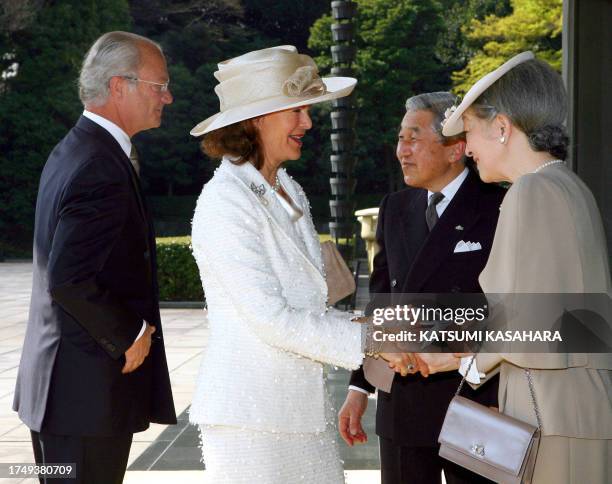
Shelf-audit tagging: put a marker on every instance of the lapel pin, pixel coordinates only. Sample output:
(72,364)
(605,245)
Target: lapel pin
(459,227)
(260,192)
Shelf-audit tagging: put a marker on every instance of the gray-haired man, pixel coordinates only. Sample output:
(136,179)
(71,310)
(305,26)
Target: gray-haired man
(93,368)
(418,229)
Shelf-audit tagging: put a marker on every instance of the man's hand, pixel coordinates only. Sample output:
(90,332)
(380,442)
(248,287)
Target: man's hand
(349,418)
(437,362)
(136,354)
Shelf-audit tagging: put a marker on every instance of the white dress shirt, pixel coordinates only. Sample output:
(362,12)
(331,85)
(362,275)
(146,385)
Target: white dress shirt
(115,131)
(449,192)
(126,146)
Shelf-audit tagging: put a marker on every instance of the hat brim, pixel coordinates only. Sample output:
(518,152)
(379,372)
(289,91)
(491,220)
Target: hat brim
(336,87)
(454,123)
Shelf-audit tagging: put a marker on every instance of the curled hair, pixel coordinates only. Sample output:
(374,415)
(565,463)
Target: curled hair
(552,139)
(113,54)
(532,95)
(239,140)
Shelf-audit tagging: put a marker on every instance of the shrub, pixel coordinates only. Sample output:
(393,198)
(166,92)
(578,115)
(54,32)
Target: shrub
(177,271)
(178,275)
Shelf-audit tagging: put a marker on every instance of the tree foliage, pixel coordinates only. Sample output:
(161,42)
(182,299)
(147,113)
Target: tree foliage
(284,20)
(395,59)
(533,25)
(196,35)
(47,40)
(40,103)
(405,47)
(453,48)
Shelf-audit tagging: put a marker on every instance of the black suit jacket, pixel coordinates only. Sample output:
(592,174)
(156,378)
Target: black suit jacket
(413,260)
(94,283)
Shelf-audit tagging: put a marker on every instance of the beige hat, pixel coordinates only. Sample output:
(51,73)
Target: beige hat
(453,124)
(269,80)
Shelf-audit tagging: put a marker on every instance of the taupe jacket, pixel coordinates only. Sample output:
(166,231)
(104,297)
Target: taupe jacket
(550,239)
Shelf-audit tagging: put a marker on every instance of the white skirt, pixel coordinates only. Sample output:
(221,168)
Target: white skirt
(233,455)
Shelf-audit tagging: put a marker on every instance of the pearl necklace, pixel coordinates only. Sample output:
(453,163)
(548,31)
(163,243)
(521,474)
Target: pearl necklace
(277,185)
(548,163)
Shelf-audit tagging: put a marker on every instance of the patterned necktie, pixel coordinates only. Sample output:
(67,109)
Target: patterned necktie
(134,160)
(431,214)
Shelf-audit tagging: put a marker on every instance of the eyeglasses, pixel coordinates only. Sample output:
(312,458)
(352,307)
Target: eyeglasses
(160,87)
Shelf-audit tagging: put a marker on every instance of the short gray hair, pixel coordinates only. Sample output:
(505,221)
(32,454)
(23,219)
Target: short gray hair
(113,54)
(532,95)
(436,103)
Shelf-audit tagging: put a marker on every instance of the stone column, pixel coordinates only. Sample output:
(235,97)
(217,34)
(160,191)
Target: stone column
(342,183)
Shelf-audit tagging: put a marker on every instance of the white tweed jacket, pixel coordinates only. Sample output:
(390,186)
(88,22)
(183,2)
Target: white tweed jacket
(270,330)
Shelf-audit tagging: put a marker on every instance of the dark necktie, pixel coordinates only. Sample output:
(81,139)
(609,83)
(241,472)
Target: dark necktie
(431,214)
(134,160)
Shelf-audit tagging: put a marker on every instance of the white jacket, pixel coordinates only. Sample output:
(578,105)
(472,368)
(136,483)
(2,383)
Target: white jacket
(270,330)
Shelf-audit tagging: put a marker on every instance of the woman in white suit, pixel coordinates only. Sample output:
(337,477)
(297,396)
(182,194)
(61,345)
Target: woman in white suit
(549,239)
(260,397)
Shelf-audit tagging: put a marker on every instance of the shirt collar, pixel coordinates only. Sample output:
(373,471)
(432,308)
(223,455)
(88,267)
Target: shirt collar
(115,131)
(449,190)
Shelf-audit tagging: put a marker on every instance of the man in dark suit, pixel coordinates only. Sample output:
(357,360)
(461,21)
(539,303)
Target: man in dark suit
(93,368)
(418,230)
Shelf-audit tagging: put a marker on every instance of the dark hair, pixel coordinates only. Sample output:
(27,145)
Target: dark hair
(532,95)
(239,140)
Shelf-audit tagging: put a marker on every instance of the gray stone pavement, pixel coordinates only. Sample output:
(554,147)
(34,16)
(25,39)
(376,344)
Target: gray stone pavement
(162,453)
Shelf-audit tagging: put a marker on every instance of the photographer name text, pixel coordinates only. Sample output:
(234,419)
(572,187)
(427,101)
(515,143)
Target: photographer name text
(507,336)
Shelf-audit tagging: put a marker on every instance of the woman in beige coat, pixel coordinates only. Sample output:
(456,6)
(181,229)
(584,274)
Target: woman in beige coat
(549,239)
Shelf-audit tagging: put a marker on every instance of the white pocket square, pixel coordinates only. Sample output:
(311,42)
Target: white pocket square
(467,246)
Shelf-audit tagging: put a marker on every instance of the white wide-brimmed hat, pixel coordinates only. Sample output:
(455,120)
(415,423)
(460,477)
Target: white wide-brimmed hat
(453,124)
(269,80)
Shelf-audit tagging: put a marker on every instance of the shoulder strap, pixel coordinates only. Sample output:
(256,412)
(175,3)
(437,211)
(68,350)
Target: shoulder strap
(536,409)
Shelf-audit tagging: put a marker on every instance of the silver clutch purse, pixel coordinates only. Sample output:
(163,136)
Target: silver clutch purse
(491,444)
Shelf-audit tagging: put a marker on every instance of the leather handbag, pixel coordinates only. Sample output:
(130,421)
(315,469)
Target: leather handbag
(339,278)
(489,443)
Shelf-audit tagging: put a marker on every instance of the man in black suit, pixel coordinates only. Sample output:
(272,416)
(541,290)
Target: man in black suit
(93,368)
(418,230)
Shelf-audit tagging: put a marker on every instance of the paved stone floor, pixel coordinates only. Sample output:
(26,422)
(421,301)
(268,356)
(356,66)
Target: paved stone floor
(162,453)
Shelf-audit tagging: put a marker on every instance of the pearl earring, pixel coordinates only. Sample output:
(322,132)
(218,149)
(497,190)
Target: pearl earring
(502,140)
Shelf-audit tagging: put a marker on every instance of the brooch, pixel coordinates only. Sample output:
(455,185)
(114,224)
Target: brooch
(459,227)
(260,191)
(448,113)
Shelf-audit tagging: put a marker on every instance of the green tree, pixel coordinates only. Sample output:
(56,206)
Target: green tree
(285,22)
(453,48)
(395,59)
(532,25)
(195,35)
(40,103)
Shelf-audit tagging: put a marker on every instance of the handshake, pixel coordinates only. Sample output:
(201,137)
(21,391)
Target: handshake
(425,363)
(407,363)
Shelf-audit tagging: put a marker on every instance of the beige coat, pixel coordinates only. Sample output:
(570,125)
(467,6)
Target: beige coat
(550,239)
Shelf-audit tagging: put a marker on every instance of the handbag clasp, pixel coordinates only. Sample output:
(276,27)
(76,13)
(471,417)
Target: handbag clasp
(478,449)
